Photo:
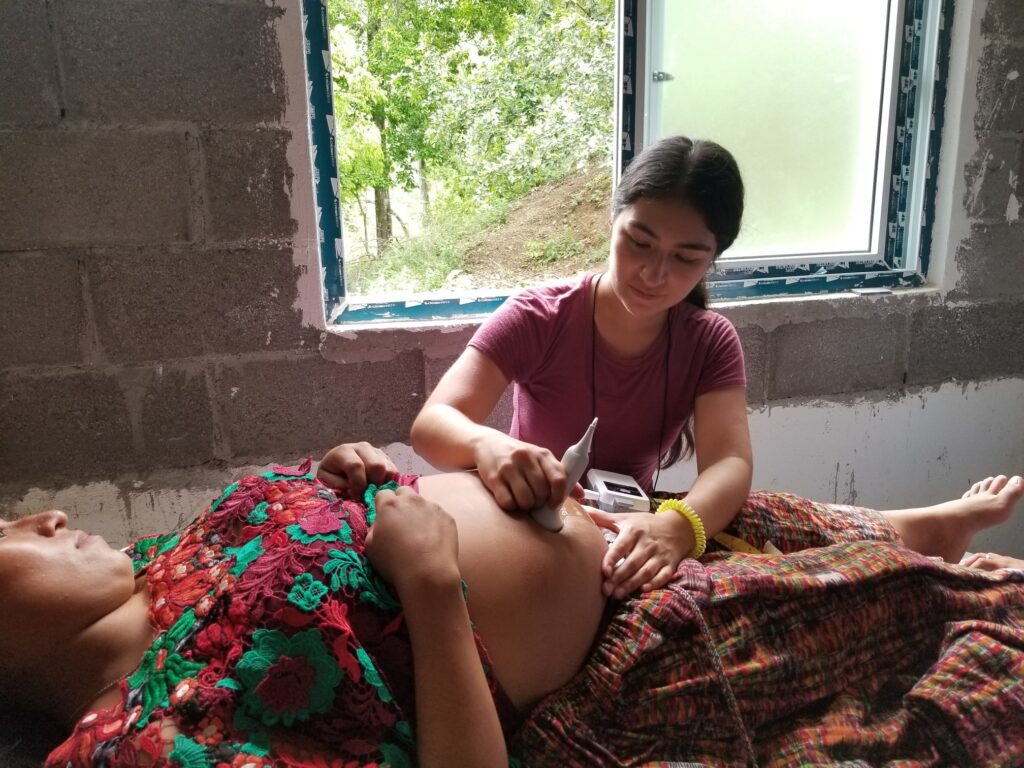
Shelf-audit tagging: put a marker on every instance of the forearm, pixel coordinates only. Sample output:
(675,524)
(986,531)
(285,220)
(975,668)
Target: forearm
(446,437)
(457,723)
(719,491)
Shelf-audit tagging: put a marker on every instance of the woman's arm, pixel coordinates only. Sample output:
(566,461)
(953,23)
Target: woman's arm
(450,425)
(651,546)
(414,545)
(725,464)
(449,433)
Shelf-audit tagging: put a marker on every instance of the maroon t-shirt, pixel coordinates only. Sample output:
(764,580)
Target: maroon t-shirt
(542,340)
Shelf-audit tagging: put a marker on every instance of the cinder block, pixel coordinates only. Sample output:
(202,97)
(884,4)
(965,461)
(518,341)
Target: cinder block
(28,64)
(161,304)
(436,367)
(1003,18)
(63,428)
(755,357)
(41,315)
(501,415)
(966,343)
(304,405)
(993,175)
(838,356)
(177,419)
(92,188)
(166,60)
(991,262)
(1000,88)
(248,185)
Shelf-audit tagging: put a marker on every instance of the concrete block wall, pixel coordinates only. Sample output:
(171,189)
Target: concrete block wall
(155,214)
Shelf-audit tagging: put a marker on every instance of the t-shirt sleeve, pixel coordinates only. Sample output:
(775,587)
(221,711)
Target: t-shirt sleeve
(723,364)
(516,334)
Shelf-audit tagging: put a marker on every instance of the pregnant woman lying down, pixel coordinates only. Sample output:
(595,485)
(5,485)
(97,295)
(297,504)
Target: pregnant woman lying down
(291,624)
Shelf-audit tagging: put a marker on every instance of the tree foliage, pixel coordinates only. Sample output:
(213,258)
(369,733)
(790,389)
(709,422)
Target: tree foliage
(483,99)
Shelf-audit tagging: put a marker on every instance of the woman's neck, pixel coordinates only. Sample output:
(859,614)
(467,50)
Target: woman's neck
(103,653)
(627,334)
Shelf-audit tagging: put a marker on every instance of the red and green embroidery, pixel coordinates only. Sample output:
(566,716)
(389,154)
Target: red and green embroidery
(275,634)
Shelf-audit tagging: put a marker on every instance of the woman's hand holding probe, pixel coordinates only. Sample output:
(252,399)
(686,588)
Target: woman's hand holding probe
(519,475)
(645,553)
(350,467)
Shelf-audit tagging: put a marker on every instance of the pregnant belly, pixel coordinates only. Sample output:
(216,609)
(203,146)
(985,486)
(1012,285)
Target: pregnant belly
(534,596)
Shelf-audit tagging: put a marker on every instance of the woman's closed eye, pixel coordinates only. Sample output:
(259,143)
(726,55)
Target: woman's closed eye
(638,243)
(691,257)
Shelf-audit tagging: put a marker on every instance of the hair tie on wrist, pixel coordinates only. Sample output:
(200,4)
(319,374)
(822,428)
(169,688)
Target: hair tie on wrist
(700,538)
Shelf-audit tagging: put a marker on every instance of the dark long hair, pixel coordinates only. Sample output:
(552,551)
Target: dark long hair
(701,174)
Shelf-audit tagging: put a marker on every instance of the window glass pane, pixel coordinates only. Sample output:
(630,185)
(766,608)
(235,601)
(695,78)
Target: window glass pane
(797,90)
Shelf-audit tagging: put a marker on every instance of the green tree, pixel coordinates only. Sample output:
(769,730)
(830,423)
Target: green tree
(393,62)
(537,105)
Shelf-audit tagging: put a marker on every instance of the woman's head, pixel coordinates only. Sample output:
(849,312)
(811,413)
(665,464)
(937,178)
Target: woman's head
(55,582)
(692,177)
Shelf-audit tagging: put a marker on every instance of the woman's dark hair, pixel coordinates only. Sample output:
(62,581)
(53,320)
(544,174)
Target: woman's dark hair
(701,174)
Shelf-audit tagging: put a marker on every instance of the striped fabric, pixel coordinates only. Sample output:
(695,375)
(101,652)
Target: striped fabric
(857,653)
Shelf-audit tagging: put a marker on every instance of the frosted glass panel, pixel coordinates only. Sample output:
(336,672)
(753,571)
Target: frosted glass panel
(796,90)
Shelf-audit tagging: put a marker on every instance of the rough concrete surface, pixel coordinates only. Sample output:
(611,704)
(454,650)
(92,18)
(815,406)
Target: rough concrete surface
(303,403)
(41,313)
(248,201)
(991,262)
(841,355)
(173,303)
(996,178)
(28,63)
(131,62)
(968,343)
(92,188)
(754,340)
(60,427)
(1001,87)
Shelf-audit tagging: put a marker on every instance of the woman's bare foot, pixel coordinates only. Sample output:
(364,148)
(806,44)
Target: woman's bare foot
(945,530)
(987,561)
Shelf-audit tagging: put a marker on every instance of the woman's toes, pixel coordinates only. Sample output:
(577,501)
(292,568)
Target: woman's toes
(1014,487)
(998,483)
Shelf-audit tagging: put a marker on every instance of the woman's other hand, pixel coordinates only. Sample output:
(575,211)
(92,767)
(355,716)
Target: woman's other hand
(519,475)
(413,542)
(645,553)
(350,467)
(987,561)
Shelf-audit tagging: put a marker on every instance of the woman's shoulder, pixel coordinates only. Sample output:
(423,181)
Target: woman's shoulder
(537,306)
(555,293)
(709,319)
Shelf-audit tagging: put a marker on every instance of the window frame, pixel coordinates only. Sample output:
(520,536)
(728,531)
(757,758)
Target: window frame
(909,208)
(908,198)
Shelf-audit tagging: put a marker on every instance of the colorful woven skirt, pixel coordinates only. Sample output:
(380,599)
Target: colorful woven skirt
(857,652)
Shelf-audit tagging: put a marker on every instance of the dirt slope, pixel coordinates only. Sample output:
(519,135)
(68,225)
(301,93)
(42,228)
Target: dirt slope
(559,229)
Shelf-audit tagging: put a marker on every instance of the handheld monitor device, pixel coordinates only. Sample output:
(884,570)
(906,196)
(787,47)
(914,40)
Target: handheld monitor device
(616,493)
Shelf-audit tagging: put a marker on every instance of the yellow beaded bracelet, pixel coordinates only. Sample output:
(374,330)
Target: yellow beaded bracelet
(700,542)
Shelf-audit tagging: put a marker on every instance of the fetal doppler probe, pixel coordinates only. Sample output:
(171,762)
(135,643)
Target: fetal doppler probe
(575,461)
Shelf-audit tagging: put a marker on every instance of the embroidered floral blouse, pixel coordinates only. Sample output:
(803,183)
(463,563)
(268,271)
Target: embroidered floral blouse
(277,643)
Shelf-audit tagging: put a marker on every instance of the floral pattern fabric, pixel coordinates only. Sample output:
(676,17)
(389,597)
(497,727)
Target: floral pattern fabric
(277,644)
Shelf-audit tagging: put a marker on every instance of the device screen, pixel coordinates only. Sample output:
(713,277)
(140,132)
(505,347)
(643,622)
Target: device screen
(629,490)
